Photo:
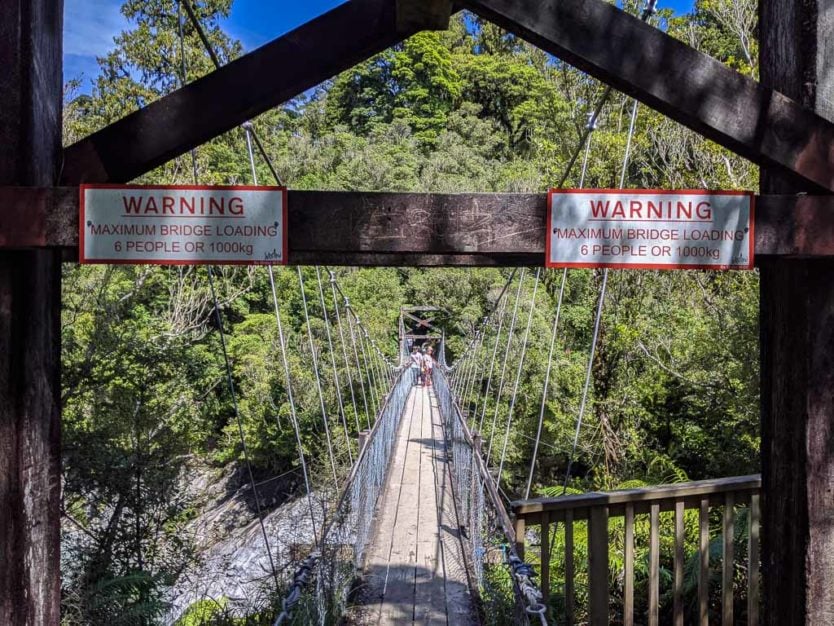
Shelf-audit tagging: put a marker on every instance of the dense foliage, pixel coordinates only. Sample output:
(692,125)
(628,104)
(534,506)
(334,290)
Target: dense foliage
(675,387)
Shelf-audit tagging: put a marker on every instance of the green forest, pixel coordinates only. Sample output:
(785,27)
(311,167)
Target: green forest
(147,407)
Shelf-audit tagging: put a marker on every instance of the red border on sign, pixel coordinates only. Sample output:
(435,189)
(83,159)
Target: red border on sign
(651,266)
(82,222)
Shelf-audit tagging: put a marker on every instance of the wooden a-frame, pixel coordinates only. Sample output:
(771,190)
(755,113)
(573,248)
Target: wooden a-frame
(785,136)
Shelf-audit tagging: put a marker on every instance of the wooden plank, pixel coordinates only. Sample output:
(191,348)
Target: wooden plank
(628,573)
(688,86)
(416,569)
(372,228)
(598,565)
(569,570)
(679,559)
(654,565)
(703,564)
(727,562)
(797,341)
(753,562)
(520,532)
(237,92)
(30,290)
(429,600)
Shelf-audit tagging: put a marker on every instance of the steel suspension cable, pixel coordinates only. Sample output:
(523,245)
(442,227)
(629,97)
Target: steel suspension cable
(358,364)
(247,462)
(477,369)
(314,357)
(344,348)
(504,365)
(492,361)
(477,389)
(469,379)
(498,302)
(554,331)
(470,355)
(284,358)
(219,320)
(379,366)
(332,351)
(466,364)
(368,371)
(599,311)
(514,396)
(375,368)
(374,365)
(291,398)
(553,335)
(648,11)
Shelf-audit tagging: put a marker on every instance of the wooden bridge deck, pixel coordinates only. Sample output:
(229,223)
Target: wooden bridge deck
(415,568)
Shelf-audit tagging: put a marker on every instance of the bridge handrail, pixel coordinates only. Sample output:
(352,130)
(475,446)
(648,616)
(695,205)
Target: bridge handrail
(525,589)
(641,499)
(401,374)
(355,499)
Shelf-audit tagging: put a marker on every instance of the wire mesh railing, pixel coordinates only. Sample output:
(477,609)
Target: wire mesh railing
(504,583)
(335,563)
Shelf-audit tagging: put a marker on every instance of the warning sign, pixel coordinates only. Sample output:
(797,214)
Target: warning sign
(638,229)
(183,225)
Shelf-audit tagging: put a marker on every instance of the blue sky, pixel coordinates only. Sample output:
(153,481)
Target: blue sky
(90,25)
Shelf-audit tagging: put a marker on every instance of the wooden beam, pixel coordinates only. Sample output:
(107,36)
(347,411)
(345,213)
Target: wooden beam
(355,228)
(694,490)
(736,112)
(239,91)
(30,308)
(413,15)
(797,344)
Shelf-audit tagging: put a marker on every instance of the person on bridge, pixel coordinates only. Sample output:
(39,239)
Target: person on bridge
(428,365)
(417,364)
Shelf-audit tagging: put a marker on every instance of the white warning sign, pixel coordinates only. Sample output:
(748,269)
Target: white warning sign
(183,225)
(639,229)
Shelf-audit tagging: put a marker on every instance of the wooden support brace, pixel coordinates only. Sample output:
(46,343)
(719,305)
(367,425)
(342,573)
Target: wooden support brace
(415,15)
(688,86)
(246,87)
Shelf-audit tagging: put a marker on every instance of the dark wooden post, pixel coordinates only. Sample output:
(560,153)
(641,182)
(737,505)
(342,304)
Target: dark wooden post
(30,482)
(797,317)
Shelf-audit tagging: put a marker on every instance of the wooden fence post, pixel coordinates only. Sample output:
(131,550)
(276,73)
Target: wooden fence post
(598,564)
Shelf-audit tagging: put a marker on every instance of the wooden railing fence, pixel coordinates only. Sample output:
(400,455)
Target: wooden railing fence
(596,509)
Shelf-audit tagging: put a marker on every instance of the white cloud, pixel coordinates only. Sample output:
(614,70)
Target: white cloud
(90,25)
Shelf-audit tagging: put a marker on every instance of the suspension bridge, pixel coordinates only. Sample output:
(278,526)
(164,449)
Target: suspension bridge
(413,524)
(417,526)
